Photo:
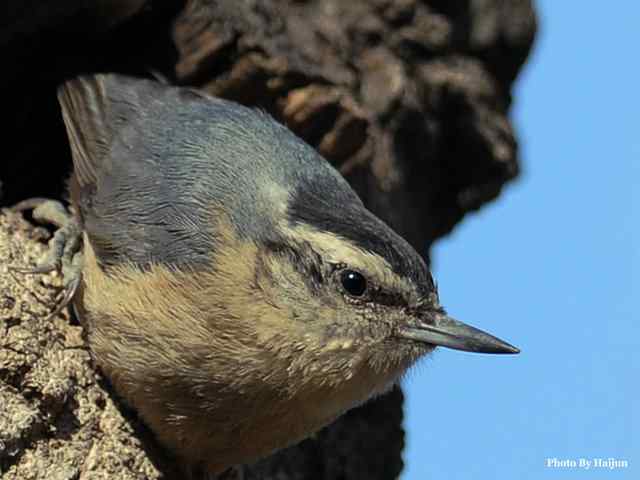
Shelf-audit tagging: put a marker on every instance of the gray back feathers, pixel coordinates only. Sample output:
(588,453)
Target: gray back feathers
(155,164)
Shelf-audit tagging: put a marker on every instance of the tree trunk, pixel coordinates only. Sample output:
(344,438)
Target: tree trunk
(408,98)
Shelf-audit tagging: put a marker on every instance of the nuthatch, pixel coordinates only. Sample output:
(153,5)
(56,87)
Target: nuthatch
(234,288)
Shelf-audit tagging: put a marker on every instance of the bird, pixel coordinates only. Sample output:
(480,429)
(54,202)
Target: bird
(233,287)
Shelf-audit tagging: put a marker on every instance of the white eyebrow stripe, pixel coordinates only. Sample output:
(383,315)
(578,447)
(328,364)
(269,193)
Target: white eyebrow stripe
(336,249)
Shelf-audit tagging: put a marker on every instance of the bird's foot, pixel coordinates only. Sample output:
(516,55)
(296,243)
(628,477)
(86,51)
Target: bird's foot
(65,255)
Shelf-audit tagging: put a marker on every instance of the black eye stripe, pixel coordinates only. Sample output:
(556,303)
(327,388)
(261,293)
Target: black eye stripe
(353,282)
(315,272)
(388,298)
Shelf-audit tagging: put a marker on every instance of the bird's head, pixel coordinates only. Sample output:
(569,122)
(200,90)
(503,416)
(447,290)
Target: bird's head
(350,296)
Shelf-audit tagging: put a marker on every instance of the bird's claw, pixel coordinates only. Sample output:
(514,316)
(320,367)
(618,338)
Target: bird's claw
(64,254)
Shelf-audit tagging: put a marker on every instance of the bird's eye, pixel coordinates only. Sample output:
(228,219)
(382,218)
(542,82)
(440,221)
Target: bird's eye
(353,282)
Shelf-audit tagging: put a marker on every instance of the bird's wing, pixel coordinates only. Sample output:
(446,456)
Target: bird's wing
(136,189)
(82,101)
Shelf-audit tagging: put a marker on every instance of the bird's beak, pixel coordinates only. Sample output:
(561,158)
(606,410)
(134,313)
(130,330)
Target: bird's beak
(450,333)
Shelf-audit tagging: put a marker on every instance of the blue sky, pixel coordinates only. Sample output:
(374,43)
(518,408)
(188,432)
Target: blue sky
(551,267)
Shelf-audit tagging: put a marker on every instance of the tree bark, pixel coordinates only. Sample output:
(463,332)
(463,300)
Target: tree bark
(409,99)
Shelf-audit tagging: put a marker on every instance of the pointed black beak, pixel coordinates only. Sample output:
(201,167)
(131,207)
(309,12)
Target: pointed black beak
(450,333)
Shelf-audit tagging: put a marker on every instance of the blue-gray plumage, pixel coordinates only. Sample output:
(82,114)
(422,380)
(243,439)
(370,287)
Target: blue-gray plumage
(193,153)
(235,289)
(196,153)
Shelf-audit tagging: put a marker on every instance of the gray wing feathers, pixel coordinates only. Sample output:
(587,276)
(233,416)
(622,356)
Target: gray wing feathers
(131,185)
(82,101)
(153,163)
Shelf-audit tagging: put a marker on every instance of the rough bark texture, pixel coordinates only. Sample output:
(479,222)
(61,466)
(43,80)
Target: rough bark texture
(408,98)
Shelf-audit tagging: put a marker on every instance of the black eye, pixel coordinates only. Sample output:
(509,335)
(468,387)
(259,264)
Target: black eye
(353,282)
